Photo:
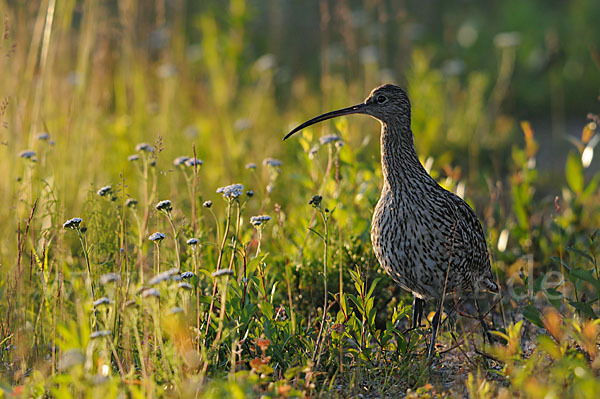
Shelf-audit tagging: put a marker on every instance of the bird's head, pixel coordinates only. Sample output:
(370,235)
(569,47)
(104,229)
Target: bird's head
(386,103)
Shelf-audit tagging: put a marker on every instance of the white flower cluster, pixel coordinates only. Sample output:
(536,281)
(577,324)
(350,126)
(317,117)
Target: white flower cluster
(232,191)
(259,220)
(164,206)
(72,223)
(157,237)
(329,138)
(272,162)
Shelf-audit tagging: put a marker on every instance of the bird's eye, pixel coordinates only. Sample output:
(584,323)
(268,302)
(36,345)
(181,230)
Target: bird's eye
(381,99)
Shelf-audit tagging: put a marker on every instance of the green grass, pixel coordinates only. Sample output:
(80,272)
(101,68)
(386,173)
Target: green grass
(251,320)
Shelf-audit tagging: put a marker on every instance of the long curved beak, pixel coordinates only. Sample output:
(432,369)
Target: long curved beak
(355,109)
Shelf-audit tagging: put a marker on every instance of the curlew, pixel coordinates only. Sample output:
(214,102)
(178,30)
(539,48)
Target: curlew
(425,237)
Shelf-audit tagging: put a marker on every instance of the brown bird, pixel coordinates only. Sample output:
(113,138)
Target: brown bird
(425,237)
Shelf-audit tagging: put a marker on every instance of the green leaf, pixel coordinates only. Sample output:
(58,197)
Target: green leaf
(585,275)
(581,253)
(574,172)
(591,187)
(533,315)
(584,308)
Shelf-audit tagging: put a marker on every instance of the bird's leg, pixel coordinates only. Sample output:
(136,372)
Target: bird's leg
(486,332)
(434,327)
(417,311)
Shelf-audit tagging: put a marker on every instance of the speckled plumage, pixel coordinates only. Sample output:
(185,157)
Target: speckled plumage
(419,229)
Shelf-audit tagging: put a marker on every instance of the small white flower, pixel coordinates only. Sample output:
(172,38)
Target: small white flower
(313,151)
(172,271)
(232,191)
(144,147)
(43,136)
(223,272)
(207,204)
(159,278)
(180,161)
(164,206)
(72,223)
(109,278)
(259,220)
(507,39)
(328,139)
(186,275)
(133,157)
(251,165)
(272,162)
(131,203)
(27,154)
(104,191)
(150,292)
(340,144)
(242,124)
(193,241)
(102,301)
(71,358)
(191,132)
(165,71)
(100,334)
(157,237)
(193,161)
(185,286)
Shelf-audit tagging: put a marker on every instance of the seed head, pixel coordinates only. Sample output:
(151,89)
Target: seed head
(72,223)
(157,237)
(193,242)
(275,163)
(330,138)
(187,275)
(131,203)
(259,220)
(164,206)
(144,147)
(104,191)
(207,204)
(250,193)
(133,157)
(185,286)
(232,191)
(315,201)
(109,278)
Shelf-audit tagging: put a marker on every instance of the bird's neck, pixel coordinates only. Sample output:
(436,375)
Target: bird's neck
(399,161)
